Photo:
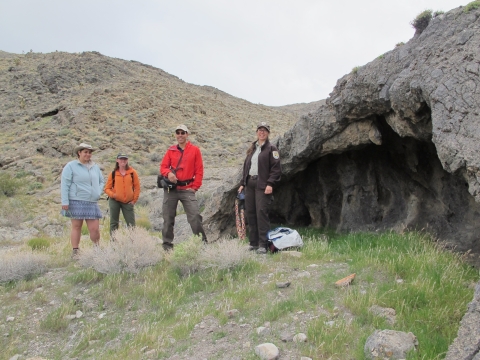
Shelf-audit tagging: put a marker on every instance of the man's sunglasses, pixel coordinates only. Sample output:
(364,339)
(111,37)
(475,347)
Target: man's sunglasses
(178,132)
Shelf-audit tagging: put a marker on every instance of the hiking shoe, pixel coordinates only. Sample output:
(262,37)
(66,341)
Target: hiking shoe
(167,247)
(262,251)
(252,248)
(75,254)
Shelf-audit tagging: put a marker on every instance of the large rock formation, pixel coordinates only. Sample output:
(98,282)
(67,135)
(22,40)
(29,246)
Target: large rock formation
(395,146)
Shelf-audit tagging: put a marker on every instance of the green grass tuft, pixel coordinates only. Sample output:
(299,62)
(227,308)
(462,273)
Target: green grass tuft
(38,243)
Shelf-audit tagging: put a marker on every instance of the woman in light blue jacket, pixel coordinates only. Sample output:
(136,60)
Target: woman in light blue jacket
(82,185)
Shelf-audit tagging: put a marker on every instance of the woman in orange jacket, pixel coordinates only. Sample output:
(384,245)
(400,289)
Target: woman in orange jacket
(123,190)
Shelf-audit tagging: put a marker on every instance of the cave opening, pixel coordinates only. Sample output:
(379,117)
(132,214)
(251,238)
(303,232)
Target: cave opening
(397,185)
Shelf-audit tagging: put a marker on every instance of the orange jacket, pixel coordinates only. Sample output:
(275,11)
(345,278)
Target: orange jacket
(191,166)
(125,190)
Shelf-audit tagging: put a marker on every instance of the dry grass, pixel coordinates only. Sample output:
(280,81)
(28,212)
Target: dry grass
(133,249)
(224,254)
(192,255)
(19,265)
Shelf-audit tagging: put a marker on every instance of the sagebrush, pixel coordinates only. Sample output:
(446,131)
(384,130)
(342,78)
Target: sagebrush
(133,249)
(193,255)
(18,265)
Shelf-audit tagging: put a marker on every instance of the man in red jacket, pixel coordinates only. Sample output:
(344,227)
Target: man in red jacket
(182,165)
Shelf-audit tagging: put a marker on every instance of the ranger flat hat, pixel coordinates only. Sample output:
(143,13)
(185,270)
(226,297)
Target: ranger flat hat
(83,146)
(264,125)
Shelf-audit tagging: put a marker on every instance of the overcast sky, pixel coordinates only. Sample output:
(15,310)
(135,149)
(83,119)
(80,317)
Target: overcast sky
(273,52)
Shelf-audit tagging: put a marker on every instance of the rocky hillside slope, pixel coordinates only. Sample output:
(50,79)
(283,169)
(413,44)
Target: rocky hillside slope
(50,102)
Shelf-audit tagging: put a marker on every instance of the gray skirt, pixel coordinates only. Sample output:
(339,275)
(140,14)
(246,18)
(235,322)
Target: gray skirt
(82,210)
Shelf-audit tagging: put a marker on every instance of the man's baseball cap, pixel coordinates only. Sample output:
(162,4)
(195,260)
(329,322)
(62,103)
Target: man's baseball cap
(264,125)
(181,127)
(122,156)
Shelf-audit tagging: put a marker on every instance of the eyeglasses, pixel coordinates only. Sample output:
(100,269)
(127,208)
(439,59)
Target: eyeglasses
(178,132)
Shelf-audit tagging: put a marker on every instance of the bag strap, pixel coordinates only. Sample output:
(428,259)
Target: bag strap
(178,164)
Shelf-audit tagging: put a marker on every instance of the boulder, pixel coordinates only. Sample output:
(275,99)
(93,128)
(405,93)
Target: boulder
(389,344)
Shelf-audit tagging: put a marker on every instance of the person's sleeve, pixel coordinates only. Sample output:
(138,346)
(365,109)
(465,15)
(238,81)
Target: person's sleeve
(244,175)
(136,187)
(165,165)
(101,179)
(108,187)
(197,183)
(66,182)
(275,168)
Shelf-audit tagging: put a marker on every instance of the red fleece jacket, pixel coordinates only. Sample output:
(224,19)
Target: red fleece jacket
(191,166)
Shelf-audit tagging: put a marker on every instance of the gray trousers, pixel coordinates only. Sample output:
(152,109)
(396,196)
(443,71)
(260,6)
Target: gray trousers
(256,211)
(127,211)
(190,205)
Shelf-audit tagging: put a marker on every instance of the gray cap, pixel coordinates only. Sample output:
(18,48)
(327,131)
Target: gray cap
(264,125)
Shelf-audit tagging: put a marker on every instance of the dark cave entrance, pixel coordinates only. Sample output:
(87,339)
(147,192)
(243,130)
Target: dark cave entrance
(397,185)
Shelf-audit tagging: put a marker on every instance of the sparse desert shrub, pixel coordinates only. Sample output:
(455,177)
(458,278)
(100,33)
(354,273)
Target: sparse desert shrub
(132,249)
(192,255)
(224,254)
(38,243)
(399,44)
(355,70)
(8,185)
(155,157)
(13,212)
(472,6)
(185,256)
(35,186)
(16,265)
(20,174)
(422,20)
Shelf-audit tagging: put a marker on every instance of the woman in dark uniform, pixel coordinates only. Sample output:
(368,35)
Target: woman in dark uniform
(261,172)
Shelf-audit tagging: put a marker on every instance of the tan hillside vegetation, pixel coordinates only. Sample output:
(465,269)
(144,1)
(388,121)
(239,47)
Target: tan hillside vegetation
(50,102)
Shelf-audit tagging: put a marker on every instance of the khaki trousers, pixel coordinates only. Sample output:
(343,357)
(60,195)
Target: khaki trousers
(256,209)
(190,205)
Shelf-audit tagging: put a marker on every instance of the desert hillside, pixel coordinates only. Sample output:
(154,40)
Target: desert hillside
(50,102)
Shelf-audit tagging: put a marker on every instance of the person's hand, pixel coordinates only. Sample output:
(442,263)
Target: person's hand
(240,189)
(268,190)
(171,177)
(132,202)
(64,207)
(192,189)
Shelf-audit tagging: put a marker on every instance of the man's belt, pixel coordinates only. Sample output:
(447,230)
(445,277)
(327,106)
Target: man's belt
(253,177)
(184,182)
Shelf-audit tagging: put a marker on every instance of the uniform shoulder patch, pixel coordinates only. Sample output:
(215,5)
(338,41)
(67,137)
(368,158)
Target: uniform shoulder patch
(275,155)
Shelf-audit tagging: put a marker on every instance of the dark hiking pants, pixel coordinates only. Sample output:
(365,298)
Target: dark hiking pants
(256,209)
(190,205)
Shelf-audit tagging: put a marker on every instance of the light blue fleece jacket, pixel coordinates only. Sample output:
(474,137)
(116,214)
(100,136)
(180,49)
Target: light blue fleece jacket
(80,182)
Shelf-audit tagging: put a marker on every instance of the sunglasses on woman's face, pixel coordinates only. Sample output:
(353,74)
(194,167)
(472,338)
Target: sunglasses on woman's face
(178,132)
